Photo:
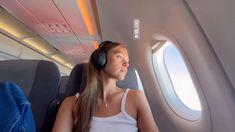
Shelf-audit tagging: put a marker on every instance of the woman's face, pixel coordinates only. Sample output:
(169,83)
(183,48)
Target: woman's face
(117,63)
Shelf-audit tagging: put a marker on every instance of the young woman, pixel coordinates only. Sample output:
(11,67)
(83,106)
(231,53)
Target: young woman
(102,106)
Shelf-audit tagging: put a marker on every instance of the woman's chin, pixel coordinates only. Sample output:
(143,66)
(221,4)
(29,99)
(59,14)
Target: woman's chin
(121,78)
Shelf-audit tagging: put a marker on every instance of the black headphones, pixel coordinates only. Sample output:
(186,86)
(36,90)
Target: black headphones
(99,57)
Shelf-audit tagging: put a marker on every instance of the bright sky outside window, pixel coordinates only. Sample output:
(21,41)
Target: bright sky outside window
(180,77)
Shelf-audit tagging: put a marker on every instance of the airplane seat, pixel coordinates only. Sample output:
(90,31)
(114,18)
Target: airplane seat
(77,78)
(62,87)
(130,80)
(39,81)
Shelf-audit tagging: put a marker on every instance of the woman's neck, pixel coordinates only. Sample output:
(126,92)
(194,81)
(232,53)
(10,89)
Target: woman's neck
(109,88)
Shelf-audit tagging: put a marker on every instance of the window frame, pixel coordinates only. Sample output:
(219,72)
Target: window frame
(166,86)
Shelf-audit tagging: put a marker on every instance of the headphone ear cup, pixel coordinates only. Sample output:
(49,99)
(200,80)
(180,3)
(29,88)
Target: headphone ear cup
(98,59)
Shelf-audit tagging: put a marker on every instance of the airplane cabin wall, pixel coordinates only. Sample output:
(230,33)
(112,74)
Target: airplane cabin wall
(174,21)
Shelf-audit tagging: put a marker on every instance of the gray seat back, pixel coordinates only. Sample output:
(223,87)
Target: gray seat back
(62,87)
(39,80)
(77,78)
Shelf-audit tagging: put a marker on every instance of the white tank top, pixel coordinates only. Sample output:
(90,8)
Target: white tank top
(121,122)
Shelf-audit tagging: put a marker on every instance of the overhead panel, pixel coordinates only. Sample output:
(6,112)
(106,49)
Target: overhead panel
(17,9)
(76,54)
(72,15)
(52,25)
(81,19)
(69,26)
(12,50)
(9,25)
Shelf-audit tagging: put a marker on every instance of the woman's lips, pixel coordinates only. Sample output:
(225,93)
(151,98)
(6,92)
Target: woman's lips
(123,71)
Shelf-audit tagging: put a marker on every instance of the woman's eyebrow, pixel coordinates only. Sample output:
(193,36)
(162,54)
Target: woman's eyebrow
(118,51)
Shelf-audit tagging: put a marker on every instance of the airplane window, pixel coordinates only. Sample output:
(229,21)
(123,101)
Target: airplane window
(180,77)
(175,81)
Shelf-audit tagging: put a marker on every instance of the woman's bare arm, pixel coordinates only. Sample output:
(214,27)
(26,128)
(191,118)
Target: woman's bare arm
(145,119)
(64,119)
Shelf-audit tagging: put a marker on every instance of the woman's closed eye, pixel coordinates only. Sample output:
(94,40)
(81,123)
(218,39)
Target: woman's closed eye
(119,56)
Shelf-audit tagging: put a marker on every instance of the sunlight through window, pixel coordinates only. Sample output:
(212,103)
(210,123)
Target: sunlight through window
(180,77)
(175,80)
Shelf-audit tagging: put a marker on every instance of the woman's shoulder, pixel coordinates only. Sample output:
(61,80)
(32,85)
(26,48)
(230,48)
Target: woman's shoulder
(69,101)
(135,92)
(135,95)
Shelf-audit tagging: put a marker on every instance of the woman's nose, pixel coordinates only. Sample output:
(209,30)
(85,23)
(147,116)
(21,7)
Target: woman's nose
(125,63)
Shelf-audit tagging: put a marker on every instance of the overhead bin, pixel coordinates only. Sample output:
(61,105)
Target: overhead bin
(9,46)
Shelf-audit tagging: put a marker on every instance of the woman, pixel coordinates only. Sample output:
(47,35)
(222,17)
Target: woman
(102,106)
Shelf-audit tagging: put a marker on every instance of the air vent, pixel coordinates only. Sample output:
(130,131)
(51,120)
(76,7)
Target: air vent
(58,28)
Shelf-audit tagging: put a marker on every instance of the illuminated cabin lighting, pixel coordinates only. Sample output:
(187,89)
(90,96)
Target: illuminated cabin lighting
(69,65)
(37,46)
(86,16)
(95,44)
(10,29)
(58,58)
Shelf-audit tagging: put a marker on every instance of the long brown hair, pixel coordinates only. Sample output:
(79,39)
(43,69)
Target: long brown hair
(85,106)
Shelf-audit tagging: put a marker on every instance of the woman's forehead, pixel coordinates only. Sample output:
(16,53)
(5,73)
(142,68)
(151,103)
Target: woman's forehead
(119,49)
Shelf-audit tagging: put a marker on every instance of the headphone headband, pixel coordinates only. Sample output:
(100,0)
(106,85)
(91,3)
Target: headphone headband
(104,43)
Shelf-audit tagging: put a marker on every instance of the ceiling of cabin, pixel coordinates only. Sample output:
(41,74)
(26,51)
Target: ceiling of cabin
(61,23)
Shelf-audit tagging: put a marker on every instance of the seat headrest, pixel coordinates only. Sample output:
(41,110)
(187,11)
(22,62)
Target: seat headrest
(63,83)
(77,79)
(30,73)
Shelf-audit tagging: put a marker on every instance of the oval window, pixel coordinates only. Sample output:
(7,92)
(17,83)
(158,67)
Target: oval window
(175,81)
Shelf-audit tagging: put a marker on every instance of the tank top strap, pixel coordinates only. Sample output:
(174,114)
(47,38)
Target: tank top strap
(123,103)
(77,95)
